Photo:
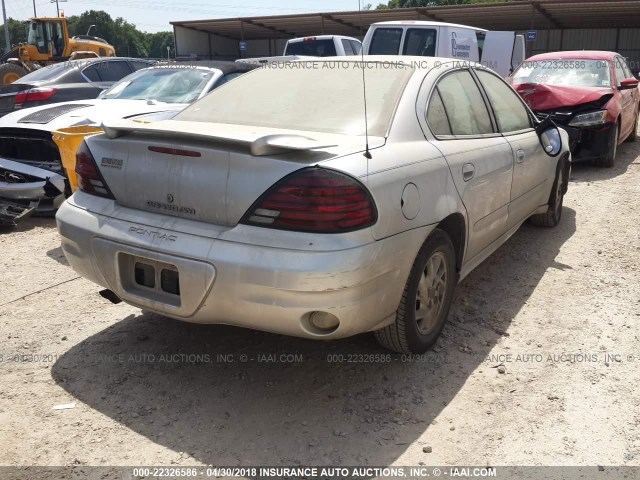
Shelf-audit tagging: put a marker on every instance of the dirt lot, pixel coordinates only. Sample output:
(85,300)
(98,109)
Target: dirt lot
(556,311)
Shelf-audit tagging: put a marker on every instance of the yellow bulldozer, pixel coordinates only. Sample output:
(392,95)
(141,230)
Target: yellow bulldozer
(48,42)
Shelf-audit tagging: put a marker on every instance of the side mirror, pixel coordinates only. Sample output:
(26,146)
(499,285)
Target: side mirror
(551,141)
(628,84)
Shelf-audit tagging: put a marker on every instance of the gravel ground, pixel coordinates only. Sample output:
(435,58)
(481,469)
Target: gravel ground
(538,364)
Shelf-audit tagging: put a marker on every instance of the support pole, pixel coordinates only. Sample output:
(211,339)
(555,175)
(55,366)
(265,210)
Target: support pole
(7,40)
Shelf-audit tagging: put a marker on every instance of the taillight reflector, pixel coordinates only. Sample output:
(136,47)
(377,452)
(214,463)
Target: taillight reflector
(90,179)
(314,200)
(175,151)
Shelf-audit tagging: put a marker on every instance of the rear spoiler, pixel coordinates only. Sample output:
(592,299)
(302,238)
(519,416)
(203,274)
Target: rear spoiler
(260,145)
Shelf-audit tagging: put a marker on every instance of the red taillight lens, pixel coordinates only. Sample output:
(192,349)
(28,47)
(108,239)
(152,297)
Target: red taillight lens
(314,200)
(35,94)
(89,177)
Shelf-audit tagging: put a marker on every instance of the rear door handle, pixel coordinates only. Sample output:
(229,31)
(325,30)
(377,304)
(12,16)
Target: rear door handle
(468,171)
(520,156)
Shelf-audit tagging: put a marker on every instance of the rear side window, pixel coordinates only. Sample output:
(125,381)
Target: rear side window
(420,42)
(91,73)
(385,41)
(137,64)
(357,46)
(463,104)
(437,116)
(113,71)
(348,48)
(510,112)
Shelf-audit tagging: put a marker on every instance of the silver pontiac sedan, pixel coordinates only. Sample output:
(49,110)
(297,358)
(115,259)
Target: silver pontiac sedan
(274,203)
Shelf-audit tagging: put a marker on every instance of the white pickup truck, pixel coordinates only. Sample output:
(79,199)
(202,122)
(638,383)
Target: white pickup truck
(500,51)
(323,46)
(318,46)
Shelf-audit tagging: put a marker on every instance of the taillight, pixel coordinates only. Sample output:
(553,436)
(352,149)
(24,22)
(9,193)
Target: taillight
(314,200)
(35,94)
(89,177)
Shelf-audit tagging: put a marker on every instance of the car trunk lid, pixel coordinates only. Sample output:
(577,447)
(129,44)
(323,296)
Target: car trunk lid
(206,172)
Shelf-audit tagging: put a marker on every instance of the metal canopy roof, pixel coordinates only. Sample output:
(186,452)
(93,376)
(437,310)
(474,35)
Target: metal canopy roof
(515,15)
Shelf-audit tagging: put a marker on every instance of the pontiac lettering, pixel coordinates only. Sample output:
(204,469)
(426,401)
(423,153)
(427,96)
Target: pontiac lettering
(153,234)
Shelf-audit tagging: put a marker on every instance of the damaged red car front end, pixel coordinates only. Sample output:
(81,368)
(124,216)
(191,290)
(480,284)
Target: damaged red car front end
(589,94)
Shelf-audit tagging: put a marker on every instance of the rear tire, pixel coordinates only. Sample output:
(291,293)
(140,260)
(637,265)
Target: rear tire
(552,216)
(426,299)
(608,159)
(10,72)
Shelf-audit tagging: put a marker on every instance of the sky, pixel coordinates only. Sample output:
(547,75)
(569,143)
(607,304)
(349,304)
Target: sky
(155,15)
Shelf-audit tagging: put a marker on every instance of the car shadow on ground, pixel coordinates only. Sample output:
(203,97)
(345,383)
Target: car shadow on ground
(58,255)
(28,224)
(229,396)
(628,156)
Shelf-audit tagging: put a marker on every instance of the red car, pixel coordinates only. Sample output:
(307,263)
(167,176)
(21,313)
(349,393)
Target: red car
(592,95)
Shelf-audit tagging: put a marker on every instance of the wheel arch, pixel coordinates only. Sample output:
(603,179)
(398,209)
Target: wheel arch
(565,162)
(455,226)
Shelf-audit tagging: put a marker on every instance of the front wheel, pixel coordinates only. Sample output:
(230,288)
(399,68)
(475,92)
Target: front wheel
(552,216)
(608,159)
(426,299)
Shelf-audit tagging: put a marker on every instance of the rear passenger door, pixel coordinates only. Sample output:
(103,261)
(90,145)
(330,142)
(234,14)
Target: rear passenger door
(532,170)
(479,157)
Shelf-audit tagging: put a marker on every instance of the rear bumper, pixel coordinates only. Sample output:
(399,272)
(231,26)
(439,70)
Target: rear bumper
(259,287)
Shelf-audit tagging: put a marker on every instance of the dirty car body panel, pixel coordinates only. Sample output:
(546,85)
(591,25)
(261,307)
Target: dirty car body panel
(201,238)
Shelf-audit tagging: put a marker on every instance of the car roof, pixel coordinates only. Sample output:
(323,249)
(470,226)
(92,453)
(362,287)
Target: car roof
(322,37)
(579,54)
(224,67)
(425,23)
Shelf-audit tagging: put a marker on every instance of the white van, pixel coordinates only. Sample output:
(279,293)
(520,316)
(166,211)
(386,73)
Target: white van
(500,51)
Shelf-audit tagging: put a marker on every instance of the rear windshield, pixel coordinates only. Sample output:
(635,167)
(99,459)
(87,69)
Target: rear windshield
(322,96)
(312,48)
(47,73)
(565,72)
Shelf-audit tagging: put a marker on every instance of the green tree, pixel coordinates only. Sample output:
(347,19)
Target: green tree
(124,36)
(158,43)
(17,32)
